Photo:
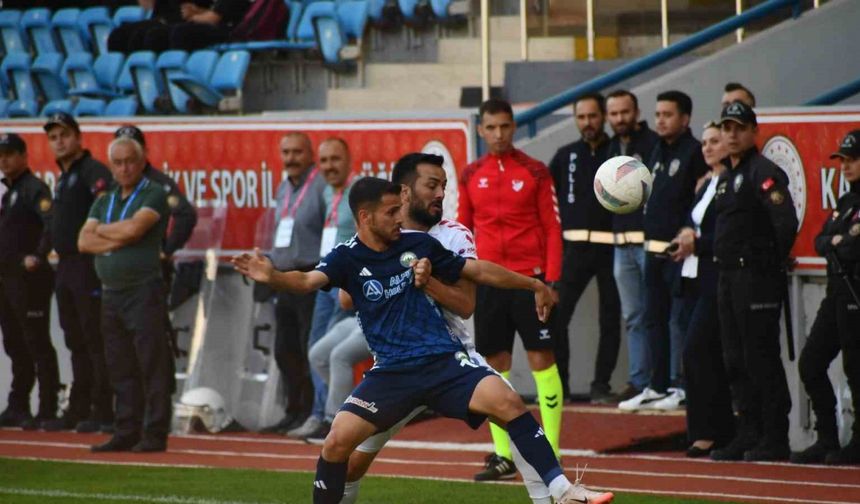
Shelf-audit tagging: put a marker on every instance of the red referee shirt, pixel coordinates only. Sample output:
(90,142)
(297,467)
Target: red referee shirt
(509,201)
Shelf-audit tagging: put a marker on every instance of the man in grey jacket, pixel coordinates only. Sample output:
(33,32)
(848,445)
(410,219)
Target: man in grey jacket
(299,220)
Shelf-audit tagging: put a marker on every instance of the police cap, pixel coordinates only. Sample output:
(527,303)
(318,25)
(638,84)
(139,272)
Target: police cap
(850,146)
(12,142)
(131,131)
(61,119)
(739,112)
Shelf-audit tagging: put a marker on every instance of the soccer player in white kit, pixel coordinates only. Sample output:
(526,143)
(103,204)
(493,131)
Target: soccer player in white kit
(424,183)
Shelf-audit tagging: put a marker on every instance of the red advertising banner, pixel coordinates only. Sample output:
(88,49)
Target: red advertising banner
(800,141)
(231,169)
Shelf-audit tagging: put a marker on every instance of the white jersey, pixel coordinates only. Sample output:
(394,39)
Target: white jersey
(458,239)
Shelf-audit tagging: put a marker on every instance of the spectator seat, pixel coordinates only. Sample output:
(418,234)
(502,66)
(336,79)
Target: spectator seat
(36,23)
(121,107)
(226,81)
(16,70)
(46,71)
(14,40)
(171,64)
(54,106)
(146,80)
(96,24)
(68,29)
(89,107)
(97,79)
(129,14)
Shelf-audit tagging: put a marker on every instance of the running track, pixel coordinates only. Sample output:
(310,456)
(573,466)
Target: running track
(443,449)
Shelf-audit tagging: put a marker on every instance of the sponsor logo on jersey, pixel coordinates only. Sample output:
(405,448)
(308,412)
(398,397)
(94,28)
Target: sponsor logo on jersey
(372,290)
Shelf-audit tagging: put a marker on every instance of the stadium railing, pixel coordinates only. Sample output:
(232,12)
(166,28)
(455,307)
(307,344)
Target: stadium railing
(836,95)
(529,118)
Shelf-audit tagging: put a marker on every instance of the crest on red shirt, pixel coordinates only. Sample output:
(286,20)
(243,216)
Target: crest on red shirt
(517,185)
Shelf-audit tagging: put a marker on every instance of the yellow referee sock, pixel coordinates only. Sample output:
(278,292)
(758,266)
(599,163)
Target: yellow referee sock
(500,436)
(551,399)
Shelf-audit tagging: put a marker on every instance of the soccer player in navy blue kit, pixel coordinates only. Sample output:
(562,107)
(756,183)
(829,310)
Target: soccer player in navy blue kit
(417,359)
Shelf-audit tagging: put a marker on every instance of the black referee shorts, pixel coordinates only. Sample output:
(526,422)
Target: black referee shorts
(500,313)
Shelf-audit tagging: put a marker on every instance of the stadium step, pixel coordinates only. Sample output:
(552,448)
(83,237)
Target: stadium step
(429,98)
(468,50)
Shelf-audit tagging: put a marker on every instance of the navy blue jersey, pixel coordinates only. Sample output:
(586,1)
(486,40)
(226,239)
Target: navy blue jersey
(403,325)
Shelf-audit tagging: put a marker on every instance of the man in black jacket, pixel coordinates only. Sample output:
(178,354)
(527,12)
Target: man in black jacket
(26,284)
(635,139)
(78,289)
(835,327)
(677,164)
(755,230)
(587,232)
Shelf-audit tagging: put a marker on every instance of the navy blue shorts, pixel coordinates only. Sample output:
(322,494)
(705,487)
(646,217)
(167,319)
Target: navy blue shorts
(444,385)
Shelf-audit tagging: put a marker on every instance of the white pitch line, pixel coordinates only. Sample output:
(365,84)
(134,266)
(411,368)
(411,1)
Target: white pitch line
(160,499)
(742,497)
(407,462)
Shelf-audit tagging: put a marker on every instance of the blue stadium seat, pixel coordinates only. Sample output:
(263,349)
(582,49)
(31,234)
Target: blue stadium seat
(289,42)
(129,14)
(121,107)
(415,12)
(96,24)
(46,71)
(36,23)
(4,108)
(14,40)
(52,107)
(227,78)
(97,79)
(306,32)
(448,10)
(383,13)
(68,30)
(89,107)
(148,83)
(16,68)
(335,33)
(171,64)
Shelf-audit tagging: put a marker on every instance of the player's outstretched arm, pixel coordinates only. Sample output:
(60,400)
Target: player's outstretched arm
(488,273)
(258,267)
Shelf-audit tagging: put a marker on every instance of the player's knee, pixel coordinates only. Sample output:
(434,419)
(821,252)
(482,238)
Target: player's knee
(510,405)
(336,447)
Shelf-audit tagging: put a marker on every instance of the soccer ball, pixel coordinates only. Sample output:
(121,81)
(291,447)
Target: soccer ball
(622,184)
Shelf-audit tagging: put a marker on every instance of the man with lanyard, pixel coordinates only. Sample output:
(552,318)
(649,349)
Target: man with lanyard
(78,289)
(635,139)
(755,230)
(588,240)
(26,284)
(125,229)
(183,218)
(838,319)
(508,200)
(677,163)
(301,216)
(335,166)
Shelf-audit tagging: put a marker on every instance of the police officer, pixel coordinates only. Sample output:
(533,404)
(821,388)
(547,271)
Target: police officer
(632,138)
(26,283)
(78,289)
(183,218)
(677,163)
(838,318)
(755,229)
(588,240)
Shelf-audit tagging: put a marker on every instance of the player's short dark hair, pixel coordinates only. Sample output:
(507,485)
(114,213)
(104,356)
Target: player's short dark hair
(601,101)
(406,168)
(681,99)
(495,106)
(368,192)
(621,93)
(737,86)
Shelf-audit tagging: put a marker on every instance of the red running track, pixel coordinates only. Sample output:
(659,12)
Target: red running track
(448,450)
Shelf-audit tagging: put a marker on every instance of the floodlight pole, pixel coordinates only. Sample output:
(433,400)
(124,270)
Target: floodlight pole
(485,49)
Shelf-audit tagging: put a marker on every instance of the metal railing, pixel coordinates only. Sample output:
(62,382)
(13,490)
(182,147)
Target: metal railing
(837,95)
(530,117)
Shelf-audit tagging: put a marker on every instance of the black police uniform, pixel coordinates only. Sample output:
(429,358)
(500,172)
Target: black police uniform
(588,241)
(755,229)
(25,296)
(676,168)
(78,290)
(836,324)
(628,227)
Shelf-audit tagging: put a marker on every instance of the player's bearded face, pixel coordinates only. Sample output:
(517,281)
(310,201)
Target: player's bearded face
(385,220)
(428,193)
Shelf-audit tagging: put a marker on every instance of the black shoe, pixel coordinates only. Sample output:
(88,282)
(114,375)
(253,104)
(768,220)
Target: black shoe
(67,421)
(735,449)
(498,468)
(107,428)
(88,426)
(815,454)
(319,433)
(150,445)
(848,455)
(115,444)
(696,452)
(289,422)
(602,394)
(768,453)
(12,417)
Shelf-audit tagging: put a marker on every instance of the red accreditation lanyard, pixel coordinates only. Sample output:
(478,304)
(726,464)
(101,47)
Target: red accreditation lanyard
(291,210)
